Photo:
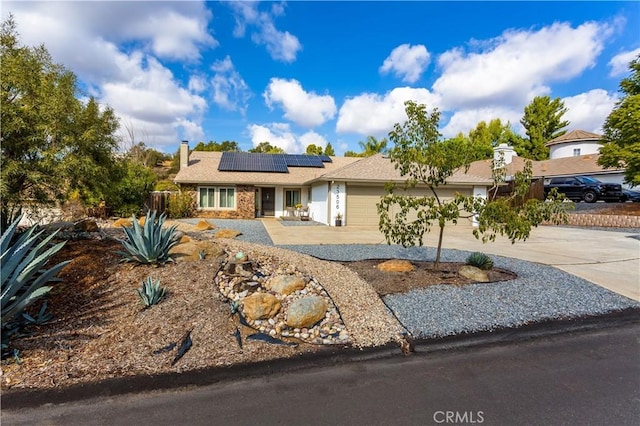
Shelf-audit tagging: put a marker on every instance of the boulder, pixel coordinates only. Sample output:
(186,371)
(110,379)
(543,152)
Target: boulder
(121,223)
(86,225)
(473,273)
(285,284)
(203,225)
(228,233)
(396,265)
(190,250)
(260,306)
(305,312)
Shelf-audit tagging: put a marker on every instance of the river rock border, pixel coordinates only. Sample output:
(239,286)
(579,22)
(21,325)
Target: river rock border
(369,322)
(242,277)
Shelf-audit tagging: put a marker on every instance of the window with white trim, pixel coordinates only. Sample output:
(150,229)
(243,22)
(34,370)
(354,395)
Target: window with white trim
(210,197)
(291,197)
(576,152)
(227,198)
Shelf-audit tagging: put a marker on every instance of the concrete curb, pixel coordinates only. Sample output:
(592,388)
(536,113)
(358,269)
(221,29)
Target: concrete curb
(30,398)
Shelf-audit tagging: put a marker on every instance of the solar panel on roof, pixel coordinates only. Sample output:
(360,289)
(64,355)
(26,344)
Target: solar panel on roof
(325,158)
(258,162)
(249,162)
(303,160)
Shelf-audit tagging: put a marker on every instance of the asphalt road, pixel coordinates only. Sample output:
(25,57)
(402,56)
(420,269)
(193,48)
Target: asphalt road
(581,378)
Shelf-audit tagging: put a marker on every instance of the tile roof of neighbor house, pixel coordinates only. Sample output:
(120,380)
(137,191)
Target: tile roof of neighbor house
(575,136)
(379,169)
(203,168)
(578,165)
(567,166)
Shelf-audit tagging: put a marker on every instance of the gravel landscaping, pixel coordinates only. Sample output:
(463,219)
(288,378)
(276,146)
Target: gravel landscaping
(252,230)
(539,293)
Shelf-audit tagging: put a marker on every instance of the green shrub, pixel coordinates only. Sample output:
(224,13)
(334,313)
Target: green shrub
(166,185)
(151,292)
(149,243)
(127,210)
(480,260)
(180,205)
(22,273)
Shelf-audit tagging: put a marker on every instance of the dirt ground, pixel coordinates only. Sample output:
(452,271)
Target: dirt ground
(100,330)
(424,275)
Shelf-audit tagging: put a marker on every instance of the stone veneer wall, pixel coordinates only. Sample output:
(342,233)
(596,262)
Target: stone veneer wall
(245,204)
(604,220)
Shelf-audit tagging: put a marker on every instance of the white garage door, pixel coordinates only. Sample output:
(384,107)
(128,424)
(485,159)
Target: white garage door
(362,200)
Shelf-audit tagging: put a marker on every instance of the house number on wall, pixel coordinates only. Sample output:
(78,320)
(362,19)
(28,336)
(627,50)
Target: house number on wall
(337,190)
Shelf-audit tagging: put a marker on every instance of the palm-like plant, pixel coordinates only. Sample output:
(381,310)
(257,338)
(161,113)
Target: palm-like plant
(149,243)
(22,277)
(373,146)
(151,293)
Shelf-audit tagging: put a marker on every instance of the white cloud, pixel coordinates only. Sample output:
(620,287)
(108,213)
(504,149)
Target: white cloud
(174,30)
(407,61)
(517,66)
(277,134)
(466,120)
(229,89)
(306,109)
(153,100)
(281,135)
(281,45)
(312,138)
(197,84)
(173,35)
(620,63)
(588,111)
(371,114)
(84,36)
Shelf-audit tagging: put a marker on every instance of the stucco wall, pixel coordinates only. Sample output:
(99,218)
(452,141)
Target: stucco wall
(566,150)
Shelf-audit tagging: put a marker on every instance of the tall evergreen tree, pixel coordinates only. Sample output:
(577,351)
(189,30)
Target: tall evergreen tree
(542,121)
(622,129)
(328,150)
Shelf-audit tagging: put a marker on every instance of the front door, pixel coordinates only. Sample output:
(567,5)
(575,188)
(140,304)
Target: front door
(268,201)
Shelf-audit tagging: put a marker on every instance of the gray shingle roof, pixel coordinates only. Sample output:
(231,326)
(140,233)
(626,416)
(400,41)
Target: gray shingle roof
(203,168)
(379,169)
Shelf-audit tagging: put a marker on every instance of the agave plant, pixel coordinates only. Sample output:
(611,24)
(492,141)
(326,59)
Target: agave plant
(149,243)
(22,276)
(480,260)
(151,292)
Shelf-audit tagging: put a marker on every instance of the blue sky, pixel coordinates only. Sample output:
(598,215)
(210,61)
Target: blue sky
(301,72)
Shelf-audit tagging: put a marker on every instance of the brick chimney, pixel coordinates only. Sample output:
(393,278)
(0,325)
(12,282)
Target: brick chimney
(184,154)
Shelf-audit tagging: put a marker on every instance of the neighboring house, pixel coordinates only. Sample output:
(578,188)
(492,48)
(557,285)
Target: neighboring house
(574,144)
(230,185)
(547,169)
(577,153)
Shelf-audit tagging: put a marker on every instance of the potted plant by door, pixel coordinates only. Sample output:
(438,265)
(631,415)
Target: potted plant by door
(339,219)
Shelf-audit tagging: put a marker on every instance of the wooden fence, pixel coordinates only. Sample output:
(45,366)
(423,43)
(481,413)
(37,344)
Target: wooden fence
(158,201)
(536,190)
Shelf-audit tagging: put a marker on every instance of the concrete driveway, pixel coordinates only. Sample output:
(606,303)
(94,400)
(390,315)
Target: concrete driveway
(607,258)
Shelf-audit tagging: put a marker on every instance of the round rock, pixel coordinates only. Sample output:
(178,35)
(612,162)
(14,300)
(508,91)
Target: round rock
(306,312)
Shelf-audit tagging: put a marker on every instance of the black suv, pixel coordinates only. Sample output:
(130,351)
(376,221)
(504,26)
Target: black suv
(585,188)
